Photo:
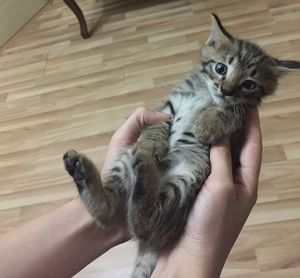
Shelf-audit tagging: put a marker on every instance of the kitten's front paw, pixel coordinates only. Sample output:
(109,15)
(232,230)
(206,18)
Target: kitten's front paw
(160,150)
(208,128)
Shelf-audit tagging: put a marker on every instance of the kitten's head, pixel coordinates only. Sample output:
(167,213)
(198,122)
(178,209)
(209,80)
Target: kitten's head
(239,71)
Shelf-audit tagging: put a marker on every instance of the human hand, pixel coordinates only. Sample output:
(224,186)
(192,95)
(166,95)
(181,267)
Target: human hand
(75,239)
(220,210)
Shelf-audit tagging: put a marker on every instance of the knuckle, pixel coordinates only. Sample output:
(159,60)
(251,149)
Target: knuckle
(253,198)
(113,138)
(228,191)
(116,138)
(250,197)
(141,115)
(140,110)
(225,189)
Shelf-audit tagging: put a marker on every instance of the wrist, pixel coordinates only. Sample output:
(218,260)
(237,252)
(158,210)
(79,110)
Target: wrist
(184,262)
(63,242)
(104,237)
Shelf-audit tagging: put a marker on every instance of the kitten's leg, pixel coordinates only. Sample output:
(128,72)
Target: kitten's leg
(153,142)
(144,263)
(158,207)
(215,123)
(102,201)
(144,197)
(149,151)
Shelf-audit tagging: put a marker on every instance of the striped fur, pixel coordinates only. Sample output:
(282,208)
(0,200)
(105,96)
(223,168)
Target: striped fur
(155,182)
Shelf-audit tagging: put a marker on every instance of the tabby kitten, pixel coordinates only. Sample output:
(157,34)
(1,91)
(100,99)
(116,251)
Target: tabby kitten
(155,181)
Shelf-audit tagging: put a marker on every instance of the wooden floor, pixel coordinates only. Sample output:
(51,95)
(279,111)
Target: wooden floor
(58,92)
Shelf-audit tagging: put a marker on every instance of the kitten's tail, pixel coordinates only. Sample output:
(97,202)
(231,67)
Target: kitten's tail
(144,264)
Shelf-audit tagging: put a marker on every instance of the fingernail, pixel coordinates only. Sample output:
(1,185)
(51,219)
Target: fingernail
(165,115)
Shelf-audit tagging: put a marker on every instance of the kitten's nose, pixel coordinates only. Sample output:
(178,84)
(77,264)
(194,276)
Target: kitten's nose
(226,92)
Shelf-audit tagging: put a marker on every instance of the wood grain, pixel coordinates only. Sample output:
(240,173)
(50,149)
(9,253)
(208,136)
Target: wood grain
(58,92)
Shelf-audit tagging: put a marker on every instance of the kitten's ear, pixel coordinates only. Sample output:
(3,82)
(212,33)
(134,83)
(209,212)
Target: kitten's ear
(286,65)
(218,34)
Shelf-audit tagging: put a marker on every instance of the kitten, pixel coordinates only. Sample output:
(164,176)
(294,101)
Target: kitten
(155,182)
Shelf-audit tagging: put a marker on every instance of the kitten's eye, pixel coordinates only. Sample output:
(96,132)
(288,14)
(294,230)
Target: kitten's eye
(220,69)
(249,85)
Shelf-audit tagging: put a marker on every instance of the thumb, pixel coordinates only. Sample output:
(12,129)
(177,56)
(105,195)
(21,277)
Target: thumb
(133,126)
(146,117)
(220,158)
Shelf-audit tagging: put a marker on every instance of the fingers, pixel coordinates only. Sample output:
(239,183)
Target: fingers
(220,158)
(251,152)
(133,126)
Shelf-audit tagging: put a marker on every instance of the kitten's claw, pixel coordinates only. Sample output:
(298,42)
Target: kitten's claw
(151,150)
(139,158)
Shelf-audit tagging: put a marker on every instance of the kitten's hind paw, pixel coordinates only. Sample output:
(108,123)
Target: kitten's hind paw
(73,165)
(80,168)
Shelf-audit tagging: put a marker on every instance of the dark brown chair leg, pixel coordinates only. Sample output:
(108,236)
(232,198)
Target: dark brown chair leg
(78,12)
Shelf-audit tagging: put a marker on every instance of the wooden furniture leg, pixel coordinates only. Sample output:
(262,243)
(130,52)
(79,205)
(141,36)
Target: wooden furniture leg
(78,13)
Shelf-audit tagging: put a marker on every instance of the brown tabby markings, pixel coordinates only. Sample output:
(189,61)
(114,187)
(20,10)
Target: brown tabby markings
(155,182)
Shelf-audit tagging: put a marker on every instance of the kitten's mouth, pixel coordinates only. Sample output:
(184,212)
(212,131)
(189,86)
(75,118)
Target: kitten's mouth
(226,98)
(221,96)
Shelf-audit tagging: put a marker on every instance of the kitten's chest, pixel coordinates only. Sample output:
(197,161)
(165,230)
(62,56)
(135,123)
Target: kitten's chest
(187,110)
